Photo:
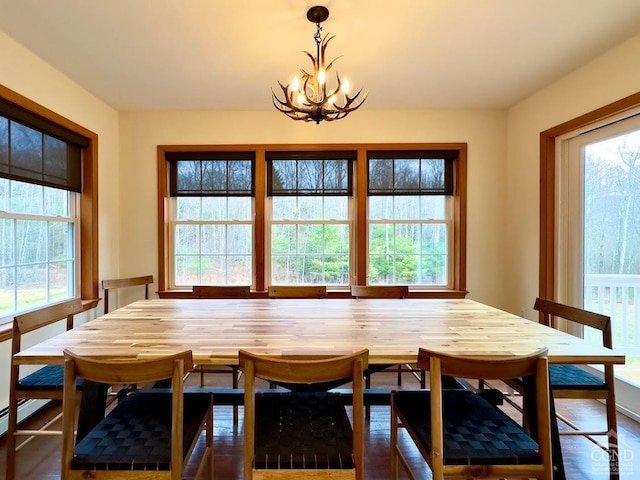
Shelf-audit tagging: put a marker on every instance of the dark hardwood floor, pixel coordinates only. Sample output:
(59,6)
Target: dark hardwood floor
(39,460)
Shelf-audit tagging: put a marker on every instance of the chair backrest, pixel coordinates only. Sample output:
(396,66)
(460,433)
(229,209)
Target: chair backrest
(306,291)
(44,383)
(379,291)
(551,310)
(30,321)
(221,291)
(116,283)
(481,367)
(125,371)
(304,370)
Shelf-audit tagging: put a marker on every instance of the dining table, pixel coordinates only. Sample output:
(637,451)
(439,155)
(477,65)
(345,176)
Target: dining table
(391,329)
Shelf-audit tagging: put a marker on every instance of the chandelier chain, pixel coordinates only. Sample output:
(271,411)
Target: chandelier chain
(318,35)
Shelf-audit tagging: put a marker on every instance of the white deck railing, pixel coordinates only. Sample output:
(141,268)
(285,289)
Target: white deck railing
(617,296)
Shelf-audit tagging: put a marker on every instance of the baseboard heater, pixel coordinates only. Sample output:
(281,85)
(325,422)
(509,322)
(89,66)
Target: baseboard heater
(26,408)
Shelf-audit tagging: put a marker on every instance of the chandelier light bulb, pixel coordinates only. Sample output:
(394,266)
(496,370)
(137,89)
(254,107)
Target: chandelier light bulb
(322,76)
(345,86)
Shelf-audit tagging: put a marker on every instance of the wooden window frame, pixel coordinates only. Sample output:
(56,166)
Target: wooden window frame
(459,204)
(88,282)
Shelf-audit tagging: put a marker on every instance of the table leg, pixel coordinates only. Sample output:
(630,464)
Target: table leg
(92,407)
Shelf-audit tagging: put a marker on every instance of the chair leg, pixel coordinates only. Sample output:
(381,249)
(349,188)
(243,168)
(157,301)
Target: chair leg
(11,437)
(209,439)
(236,377)
(367,385)
(612,433)
(393,441)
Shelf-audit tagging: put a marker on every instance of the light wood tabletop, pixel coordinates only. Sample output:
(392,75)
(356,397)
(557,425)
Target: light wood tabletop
(392,330)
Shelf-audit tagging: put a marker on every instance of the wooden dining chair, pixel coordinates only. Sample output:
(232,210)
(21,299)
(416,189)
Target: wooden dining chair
(147,435)
(460,434)
(303,434)
(574,382)
(221,292)
(45,383)
(113,284)
(302,291)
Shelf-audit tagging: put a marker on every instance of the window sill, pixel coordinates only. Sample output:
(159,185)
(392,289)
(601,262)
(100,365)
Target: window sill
(330,294)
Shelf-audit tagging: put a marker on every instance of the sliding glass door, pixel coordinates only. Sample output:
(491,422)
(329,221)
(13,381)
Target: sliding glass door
(599,231)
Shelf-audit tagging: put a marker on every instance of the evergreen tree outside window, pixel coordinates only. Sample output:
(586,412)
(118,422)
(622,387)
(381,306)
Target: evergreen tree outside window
(310,217)
(409,217)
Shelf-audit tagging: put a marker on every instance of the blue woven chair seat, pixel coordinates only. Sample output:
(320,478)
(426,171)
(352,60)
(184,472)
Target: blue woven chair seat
(136,435)
(571,376)
(50,377)
(302,430)
(568,377)
(475,432)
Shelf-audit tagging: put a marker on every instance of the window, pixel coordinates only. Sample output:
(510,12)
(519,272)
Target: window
(310,235)
(47,179)
(409,217)
(38,248)
(212,222)
(335,215)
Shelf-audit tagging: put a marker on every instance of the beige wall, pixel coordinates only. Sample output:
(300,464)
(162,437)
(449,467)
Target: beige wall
(606,79)
(29,76)
(483,130)
(502,169)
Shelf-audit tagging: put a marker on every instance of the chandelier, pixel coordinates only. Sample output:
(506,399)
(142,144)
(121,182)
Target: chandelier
(308,98)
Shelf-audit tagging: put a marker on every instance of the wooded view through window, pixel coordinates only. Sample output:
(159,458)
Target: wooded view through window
(37,252)
(295,217)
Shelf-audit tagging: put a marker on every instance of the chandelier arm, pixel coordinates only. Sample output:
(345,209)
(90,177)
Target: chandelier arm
(328,68)
(279,104)
(338,86)
(350,100)
(325,42)
(347,107)
(313,60)
(286,106)
(285,91)
(308,101)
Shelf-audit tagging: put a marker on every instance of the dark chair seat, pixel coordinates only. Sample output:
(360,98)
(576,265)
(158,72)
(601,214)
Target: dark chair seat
(571,377)
(302,430)
(50,377)
(475,432)
(124,440)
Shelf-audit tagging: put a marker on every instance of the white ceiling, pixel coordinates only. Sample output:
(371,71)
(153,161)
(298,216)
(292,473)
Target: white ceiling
(229,54)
